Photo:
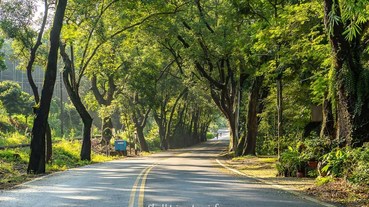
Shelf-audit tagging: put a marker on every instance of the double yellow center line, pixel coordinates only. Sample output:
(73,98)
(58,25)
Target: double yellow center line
(143,177)
(141,194)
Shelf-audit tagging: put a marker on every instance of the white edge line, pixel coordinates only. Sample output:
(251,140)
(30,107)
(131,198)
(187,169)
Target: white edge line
(277,186)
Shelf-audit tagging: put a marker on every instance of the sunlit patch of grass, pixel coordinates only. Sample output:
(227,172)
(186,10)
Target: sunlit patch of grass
(13,138)
(13,165)
(66,154)
(255,166)
(102,158)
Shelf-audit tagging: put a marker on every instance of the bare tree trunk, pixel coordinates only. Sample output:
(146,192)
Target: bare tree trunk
(37,158)
(352,124)
(72,91)
(249,147)
(328,129)
(49,145)
(86,142)
(107,130)
(280,113)
(141,139)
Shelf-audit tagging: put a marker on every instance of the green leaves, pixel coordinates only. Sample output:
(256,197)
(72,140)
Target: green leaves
(2,60)
(353,15)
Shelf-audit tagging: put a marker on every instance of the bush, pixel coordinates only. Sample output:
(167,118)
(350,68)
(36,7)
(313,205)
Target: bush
(352,164)
(290,162)
(14,138)
(335,162)
(209,135)
(66,155)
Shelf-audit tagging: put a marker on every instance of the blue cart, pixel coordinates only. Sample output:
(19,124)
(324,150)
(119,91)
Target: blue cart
(121,146)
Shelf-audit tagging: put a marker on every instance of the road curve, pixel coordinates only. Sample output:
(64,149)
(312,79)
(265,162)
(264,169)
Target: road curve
(181,178)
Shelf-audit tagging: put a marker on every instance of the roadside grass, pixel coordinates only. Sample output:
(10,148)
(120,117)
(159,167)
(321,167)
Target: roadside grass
(13,162)
(264,167)
(328,189)
(13,166)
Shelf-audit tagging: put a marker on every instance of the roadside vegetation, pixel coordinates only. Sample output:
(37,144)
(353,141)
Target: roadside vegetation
(13,162)
(289,78)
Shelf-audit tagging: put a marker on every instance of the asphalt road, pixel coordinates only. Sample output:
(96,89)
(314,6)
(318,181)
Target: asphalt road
(181,178)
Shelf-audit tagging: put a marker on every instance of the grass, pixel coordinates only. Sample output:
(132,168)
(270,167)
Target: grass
(13,162)
(13,165)
(13,138)
(255,166)
(264,167)
(328,189)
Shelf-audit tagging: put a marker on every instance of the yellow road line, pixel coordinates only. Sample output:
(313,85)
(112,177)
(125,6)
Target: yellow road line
(144,174)
(142,188)
(134,188)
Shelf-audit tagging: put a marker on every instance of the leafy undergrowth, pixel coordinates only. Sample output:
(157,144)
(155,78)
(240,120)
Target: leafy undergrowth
(326,189)
(13,162)
(13,166)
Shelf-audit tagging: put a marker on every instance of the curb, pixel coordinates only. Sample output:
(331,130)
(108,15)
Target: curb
(289,190)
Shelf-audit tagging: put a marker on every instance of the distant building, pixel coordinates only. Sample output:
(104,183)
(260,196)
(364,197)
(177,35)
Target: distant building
(11,73)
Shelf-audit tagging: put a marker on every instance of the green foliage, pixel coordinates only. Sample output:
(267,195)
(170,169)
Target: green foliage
(335,162)
(13,155)
(12,166)
(66,155)
(14,138)
(210,135)
(348,163)
(324,180)
(14,99)
(153,139)
(290,162)
(2,60)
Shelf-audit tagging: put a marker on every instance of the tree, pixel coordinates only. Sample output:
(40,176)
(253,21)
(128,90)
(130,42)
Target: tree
(89,34)
(37,158)
(14,99)
(15,22)
(347,27)
(2,60)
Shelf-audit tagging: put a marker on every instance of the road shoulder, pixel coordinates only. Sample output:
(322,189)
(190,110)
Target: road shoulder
(272,182)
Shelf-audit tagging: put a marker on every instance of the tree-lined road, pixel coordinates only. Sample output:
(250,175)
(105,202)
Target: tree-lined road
(188,177)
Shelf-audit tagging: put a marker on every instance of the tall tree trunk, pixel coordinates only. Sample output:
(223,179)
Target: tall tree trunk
(161,124)
(49,144)
(72,91)
(344,66)
(141,139)
(249,145)
(328,129)
(37,158)
(31,82)
(85,116)
(107,130)
(279,112)
(86,142)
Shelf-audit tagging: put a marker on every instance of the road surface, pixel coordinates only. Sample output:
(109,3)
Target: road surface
(181,178)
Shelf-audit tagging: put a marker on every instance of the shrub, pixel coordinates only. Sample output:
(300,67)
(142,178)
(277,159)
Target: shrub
(290,162)
(209,135)
(352,164)
(334,162)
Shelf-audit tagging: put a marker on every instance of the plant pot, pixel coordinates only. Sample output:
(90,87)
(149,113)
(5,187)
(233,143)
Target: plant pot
(313,164)
(300,174)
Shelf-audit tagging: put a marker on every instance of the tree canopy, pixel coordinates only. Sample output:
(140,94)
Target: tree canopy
(279,72)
